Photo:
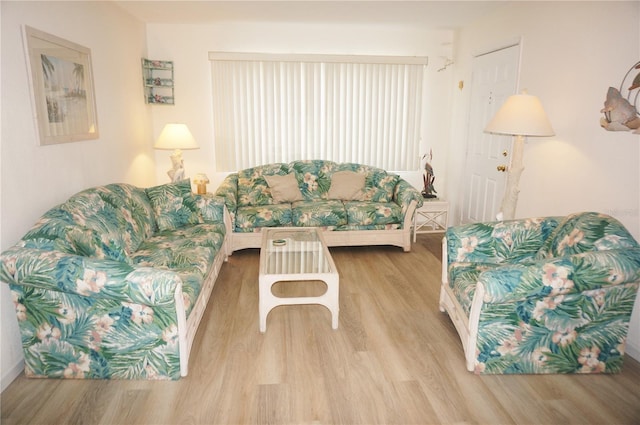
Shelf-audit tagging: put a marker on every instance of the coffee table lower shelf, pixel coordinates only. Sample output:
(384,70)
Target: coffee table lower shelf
(268,301)
(296,255)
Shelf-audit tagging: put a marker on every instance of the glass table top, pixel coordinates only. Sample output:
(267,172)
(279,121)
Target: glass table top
(294,251)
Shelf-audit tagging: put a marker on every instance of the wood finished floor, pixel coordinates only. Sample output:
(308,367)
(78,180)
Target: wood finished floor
(395,359)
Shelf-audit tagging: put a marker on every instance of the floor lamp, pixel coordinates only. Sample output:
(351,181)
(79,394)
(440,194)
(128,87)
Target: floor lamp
(521,115)
(176,137)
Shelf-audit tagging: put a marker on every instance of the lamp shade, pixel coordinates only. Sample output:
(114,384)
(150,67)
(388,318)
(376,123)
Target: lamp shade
(521,115)
(200,178)
(176,136)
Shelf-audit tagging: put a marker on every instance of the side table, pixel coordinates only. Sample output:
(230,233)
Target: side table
(431,217)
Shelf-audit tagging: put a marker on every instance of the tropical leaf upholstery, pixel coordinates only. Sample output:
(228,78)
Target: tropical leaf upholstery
(383,205)
(173,205)
(542,295)
(252,189)
(100,292)
(319,213)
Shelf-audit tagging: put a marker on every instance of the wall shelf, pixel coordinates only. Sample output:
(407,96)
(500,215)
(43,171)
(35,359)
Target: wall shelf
(157,79)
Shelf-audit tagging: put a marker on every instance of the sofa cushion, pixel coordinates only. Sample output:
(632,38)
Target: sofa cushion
(211,208)
(188,251)
(91,243)
(248,219)
(379,185)
(99,222)
(136,209)
(352,227)
(346,186)
(56,231)
(584,232)
(284,188)
(253,189)
(51,232)
(102,222)
(319,213)
(174,205)
(314,177)
(367,213)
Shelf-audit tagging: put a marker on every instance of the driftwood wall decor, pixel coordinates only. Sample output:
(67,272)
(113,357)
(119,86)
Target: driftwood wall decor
(621,106)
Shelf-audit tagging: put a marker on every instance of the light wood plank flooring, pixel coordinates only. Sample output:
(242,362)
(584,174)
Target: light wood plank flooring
(395,359)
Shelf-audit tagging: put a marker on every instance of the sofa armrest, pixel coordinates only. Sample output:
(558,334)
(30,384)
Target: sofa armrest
(561,276)
(404,194)
(499,241)
(210,207)
(89,277)
(228,191)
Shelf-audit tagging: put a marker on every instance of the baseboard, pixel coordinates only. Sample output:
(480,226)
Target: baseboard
(9,375)
(632,351)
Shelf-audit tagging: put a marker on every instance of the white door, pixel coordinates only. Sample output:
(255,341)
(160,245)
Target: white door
(495,77)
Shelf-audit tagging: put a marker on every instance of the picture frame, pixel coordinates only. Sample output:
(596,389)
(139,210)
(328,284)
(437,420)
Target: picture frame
(63,96)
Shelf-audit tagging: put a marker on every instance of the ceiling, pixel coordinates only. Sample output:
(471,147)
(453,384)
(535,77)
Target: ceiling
(423,14)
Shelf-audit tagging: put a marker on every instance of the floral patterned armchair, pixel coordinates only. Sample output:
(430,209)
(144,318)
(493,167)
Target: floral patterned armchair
(112,283)
(541,295)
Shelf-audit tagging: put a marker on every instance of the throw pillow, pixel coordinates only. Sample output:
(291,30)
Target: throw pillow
(346,186)
(284,188)
(173,205)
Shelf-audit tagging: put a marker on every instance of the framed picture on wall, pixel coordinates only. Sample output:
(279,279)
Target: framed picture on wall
(62,88)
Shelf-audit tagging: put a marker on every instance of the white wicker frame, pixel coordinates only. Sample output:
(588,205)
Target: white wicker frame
(187,328)
(467,327)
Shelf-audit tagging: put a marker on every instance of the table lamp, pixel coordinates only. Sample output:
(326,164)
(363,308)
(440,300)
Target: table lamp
(521,115)
(176,137)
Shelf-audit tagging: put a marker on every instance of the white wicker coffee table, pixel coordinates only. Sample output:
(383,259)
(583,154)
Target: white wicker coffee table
(296,254)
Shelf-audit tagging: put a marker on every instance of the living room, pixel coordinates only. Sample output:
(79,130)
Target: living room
(571,53)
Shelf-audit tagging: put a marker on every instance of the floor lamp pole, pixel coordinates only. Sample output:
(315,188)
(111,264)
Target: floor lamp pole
(510,199)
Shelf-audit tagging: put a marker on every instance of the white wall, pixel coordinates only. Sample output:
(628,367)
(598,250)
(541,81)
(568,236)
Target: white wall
(188,47)
(571,53)
(36,178)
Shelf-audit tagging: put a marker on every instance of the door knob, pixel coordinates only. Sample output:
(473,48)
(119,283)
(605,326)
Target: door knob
(501,168)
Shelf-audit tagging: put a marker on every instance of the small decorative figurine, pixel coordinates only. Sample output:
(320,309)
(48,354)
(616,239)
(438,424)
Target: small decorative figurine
(201,180)
(428,178)
(176,173)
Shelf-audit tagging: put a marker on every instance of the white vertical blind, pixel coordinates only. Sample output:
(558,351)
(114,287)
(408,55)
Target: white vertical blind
(342,110)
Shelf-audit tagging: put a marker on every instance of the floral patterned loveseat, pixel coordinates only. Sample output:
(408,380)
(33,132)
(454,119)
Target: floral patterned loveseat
(113,282)
(541,295)
(355,204)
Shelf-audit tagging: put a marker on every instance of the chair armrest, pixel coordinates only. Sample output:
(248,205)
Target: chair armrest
(499,241)
(561,276)
(89,277)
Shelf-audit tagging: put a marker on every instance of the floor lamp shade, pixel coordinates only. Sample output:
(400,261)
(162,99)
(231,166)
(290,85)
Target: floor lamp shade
(521,115)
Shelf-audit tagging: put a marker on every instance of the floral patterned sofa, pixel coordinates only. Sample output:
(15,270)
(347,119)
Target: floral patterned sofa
(541,295)
(355,204)
(113,282)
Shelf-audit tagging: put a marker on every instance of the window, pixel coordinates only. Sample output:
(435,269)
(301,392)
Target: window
(343,108)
